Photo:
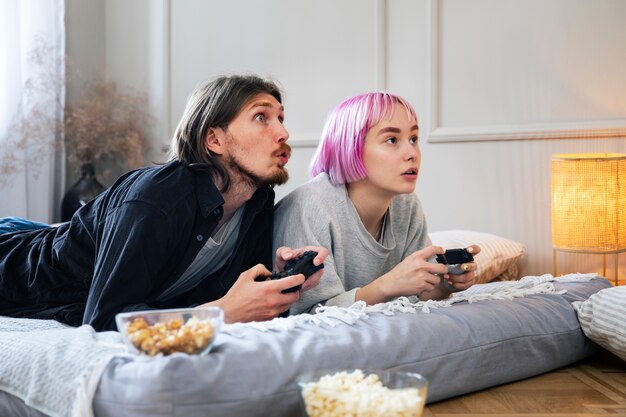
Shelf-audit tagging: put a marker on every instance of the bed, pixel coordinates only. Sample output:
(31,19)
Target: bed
(494,334)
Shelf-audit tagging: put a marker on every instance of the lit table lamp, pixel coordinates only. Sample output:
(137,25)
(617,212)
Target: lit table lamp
(589,205)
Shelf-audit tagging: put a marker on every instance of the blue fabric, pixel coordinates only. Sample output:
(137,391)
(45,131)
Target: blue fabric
(14,224)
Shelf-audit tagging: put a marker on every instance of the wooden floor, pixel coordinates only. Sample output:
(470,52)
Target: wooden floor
(593,387)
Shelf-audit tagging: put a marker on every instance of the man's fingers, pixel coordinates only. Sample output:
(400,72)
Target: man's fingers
(257,273)
(287,282)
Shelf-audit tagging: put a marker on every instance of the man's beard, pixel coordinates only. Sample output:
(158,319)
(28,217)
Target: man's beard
(240,173)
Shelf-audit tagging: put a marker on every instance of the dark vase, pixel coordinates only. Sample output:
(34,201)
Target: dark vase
(85,189)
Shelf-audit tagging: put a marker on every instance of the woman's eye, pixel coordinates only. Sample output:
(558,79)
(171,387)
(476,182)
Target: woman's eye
(391,140)
(413,140)
(260,117)
(281,120)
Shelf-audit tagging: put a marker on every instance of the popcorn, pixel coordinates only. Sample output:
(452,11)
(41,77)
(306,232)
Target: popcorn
(356,395)
(171,336)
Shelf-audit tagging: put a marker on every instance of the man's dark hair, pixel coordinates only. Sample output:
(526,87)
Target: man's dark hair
(215,104)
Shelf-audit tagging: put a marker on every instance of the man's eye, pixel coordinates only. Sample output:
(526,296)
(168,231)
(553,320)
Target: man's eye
(281,120)
(260,117)
(391,140)
(413,140)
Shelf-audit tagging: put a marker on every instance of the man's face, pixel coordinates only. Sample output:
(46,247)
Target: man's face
(255,143)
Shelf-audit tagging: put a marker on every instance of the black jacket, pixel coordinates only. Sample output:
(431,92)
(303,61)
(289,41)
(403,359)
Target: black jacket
(122,249)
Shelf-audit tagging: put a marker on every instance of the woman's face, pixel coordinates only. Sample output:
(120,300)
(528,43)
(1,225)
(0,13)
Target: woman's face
(391,154)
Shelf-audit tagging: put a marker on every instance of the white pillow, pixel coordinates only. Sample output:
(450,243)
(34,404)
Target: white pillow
(603,319)
(498,256)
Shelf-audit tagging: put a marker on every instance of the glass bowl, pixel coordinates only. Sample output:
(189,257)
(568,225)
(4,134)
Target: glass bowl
(362,393)
(188,330)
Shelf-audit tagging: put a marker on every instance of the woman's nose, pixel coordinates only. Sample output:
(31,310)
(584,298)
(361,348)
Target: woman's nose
(411,154)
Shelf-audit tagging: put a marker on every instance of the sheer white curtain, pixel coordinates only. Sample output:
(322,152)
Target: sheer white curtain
(31,192)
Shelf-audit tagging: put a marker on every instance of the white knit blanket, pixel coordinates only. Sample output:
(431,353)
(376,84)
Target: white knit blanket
(54,368)
(333,316)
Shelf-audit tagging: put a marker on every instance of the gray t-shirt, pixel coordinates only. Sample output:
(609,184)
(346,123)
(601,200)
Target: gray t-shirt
(212,256)
(321,214)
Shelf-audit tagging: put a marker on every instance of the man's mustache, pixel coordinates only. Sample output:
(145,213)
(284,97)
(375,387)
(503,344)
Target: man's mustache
(284,148)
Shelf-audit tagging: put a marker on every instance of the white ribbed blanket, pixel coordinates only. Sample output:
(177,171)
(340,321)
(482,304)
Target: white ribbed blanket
(54,368)
(334,316)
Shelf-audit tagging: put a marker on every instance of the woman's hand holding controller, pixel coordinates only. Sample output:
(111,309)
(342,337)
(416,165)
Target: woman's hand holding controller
(459,282)
(414,275)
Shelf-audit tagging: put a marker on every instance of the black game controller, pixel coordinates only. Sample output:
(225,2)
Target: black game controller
(453,258)
(302,264)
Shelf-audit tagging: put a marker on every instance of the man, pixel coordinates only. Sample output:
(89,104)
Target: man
(194,232)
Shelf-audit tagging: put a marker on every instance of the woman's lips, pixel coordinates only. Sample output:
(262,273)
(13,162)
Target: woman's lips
(410,174)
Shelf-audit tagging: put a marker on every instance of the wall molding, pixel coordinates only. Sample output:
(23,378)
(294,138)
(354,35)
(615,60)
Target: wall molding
(297,139)
(582,130)
(380,44)
(165,13)
(304,140)
(433,68)
(533,131)
(380,32)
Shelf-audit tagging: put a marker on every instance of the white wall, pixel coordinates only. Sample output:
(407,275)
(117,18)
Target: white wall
(522,79)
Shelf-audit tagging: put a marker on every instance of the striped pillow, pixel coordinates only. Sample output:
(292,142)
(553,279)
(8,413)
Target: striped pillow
(603,319)
(498,256)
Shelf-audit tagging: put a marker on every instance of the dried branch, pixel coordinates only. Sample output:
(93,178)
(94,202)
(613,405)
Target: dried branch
(103,123)
(35,130)
(107,123)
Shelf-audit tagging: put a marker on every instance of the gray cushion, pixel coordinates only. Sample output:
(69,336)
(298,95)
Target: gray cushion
(459,349)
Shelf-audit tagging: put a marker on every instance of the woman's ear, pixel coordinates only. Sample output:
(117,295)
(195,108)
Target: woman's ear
(214,140)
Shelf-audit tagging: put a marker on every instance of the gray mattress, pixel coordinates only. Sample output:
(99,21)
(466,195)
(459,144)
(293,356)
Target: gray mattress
(459,349)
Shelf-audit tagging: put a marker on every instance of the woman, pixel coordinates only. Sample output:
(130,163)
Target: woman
(361,205)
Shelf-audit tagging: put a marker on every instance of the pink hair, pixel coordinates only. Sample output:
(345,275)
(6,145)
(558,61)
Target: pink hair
(340,151)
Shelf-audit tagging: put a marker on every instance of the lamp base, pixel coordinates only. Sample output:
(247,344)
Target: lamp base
(616,281)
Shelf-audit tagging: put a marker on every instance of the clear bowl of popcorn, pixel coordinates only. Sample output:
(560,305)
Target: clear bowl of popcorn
(362,393)
(187,330)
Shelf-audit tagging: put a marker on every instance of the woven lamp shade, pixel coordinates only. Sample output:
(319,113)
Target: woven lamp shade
(589,202)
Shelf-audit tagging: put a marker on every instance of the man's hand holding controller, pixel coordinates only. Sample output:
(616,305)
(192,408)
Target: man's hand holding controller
(248,301)
(302,264)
